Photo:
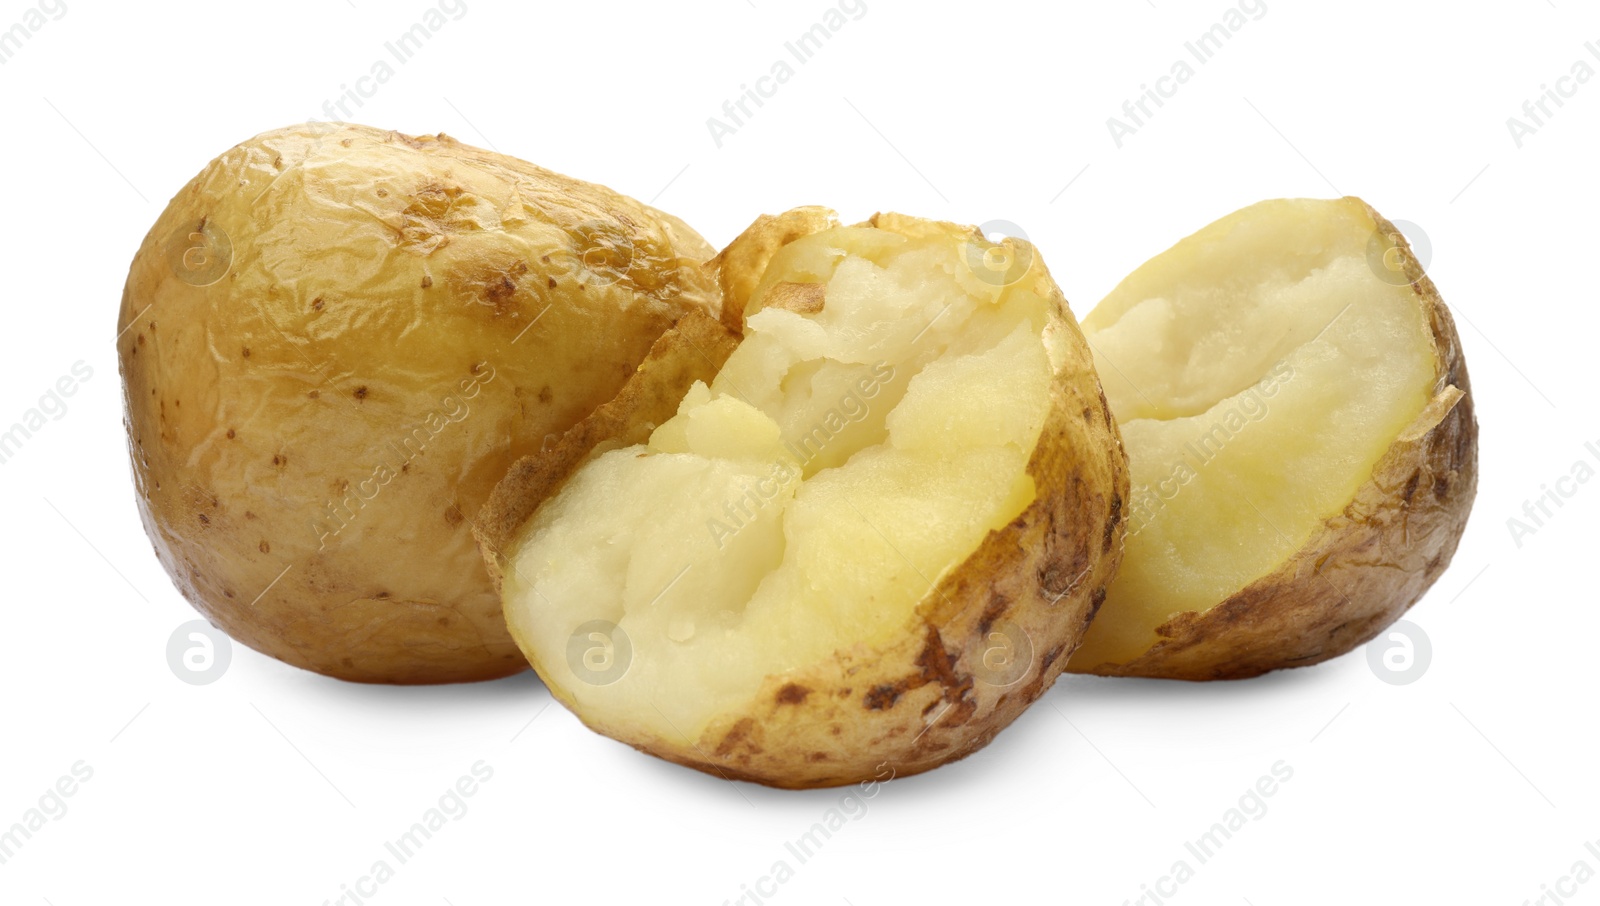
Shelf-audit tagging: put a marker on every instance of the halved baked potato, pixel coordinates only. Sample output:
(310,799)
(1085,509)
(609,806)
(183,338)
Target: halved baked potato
(1298,418)
(861,547)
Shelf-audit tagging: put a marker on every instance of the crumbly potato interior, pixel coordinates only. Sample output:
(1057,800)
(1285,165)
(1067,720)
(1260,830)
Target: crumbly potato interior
(873,426)
(1258,370)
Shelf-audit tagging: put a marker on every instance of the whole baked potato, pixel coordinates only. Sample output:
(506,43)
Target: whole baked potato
(334,341)
(861,543)
(1299,422)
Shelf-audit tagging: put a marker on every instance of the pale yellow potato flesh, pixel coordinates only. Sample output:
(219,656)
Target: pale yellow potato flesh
(1259,370)
(804,501)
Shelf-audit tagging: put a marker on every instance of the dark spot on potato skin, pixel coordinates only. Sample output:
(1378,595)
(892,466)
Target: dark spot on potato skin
(245,351)
(1095,601)
(545,396)
(814,757)
(1050,657)
(204,519)
(1441,487)
(264,547)
(935,665)
(994,610)
(427,281)
(738,735)
(315,394)
(452,515)
(550,282)
(792,694)
(1112,524)
(883,696)
(361,392)
(230,434)
(316,304)
(1411,486)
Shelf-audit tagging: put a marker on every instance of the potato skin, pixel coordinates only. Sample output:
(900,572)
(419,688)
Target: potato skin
(314,413)
(870,714)
(1368,564)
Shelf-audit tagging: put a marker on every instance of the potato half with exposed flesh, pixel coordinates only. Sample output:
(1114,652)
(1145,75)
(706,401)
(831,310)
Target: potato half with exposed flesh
(1299,422)
(335,341)
(865,546)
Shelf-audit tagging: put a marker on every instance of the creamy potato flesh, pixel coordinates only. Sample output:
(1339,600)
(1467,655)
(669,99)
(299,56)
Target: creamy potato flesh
(1258,371)
(874,425)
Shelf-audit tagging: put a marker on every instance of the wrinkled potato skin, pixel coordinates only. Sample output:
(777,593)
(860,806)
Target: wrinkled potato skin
(312,431)
(1368,564)
(871,714)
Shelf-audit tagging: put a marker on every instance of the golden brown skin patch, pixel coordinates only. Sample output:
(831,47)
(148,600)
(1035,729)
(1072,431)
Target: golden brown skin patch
(800,298)
(737,269)
(359,332)
(1368,563)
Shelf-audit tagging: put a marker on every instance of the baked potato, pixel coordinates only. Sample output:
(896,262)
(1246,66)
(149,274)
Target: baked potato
(335,341)
(861,547)
(1298,418)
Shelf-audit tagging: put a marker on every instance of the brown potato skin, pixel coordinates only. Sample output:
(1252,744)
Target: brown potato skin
(868,714)
(1368,564)
(281,418)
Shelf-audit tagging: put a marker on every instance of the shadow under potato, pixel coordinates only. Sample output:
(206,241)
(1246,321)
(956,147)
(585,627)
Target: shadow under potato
(524,687)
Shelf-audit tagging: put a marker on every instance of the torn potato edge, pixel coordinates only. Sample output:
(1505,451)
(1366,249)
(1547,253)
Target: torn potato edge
(1366,565)
(1046,572)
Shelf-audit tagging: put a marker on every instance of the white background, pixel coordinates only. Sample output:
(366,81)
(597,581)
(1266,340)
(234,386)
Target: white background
(1475,784)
